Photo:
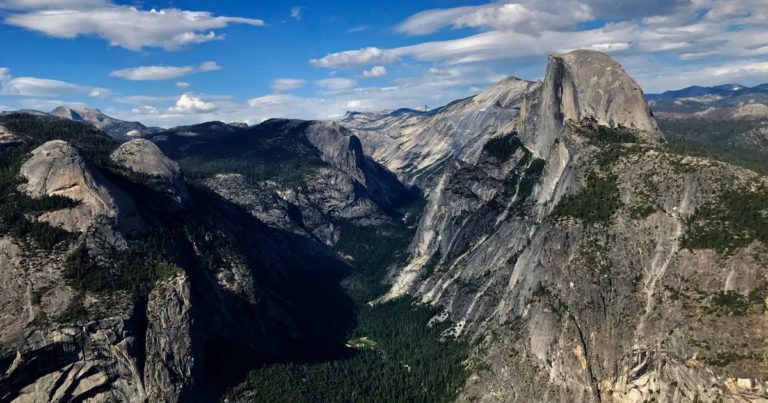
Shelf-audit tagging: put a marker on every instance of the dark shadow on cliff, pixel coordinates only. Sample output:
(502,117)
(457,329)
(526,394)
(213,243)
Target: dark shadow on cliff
(290,308)
(299,312)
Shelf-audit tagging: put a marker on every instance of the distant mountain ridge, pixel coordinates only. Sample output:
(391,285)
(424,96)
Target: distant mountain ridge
(116,128)
(720,102)
(697,91)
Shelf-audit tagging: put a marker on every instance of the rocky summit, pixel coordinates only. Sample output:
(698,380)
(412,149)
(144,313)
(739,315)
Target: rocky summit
(116,128)
(539,241)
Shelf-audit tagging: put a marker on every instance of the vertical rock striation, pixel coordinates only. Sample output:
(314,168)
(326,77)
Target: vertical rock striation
(558,252)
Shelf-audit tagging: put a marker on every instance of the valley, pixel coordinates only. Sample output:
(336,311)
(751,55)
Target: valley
(551,240)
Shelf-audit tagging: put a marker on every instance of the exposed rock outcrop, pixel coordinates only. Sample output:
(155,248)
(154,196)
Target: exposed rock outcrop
(94,362)
(169,348)
(143,157)
(590,84)
(416,145)
(57,169)
(7,138)
(343,150)
(321,179)
(176,311)
(116,128)
(577,302)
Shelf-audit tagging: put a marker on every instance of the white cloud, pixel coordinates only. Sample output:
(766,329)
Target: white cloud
(148,73)
(44,87)
(375,71)
(454,83)
(188,103)
(46,104)
(296,12)
(144,99)
(336,83)
(287,84)
(183,85)
(125,26)
(697,40)
(523,16)
(691,31)
(38,87)
(359,28)
(628,9)
(355,58)
(209,66)
(146,109)
(51,4)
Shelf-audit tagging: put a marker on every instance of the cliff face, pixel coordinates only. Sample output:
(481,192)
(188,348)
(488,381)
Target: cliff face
(306,177)
(120,283)
(171,363)
(57,169)
(417,145)
(568,250)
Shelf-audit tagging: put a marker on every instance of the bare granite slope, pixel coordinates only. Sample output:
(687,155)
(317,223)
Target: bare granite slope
(574,253)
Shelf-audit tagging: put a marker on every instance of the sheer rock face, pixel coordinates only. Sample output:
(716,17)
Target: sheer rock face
(170,357)
(343,150)
(563,309)
(143,157)
(351,187)
(43,361)
(231,303)
(94,363)
(594,86)
(416,145)
(56,169)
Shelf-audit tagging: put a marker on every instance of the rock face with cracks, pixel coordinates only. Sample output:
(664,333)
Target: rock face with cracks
(57,169)
(566,250)
(145,300)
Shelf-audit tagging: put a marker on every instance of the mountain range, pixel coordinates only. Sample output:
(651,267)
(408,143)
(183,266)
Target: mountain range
(539,241)
(722,102)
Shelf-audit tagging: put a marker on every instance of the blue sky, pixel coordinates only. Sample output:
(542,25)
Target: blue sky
(176,62)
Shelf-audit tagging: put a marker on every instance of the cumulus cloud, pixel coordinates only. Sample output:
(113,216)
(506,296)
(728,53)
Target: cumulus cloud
(355,58)
(188,103)
(375,71)
(149,73)
(124,26)
(336,83)
(287,84)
